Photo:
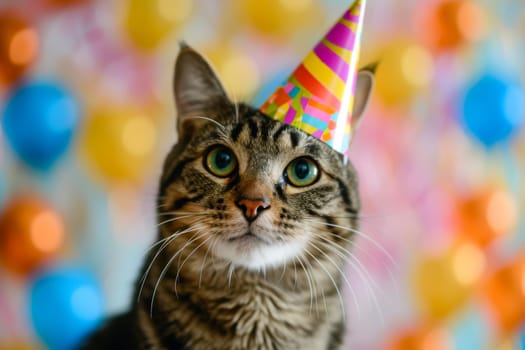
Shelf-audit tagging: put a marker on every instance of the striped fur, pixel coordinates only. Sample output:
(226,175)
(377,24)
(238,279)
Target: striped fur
(192,295)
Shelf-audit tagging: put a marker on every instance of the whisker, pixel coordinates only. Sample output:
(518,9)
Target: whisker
(295,274)
(166,238)
(333,282)
(358,216)
(177,212)
(360,234)
(174,219)
(233,96)
(235,104)
(263,272)
(210,247)
(186,259)
(345,254)
(352,291)
(310,282)
(358,247)
(158,242)
(230,273)
(316,292)
(283,272)
(369,282)
(165,269)
(360,269)
(210,120)
(166,241)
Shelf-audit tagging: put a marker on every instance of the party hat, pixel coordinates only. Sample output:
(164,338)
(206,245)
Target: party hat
(319,95)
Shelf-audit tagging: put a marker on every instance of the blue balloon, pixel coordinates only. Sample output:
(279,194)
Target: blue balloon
(66,304)
(39,122)
(493,109)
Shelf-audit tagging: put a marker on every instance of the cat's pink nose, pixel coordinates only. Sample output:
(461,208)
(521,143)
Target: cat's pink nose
(251,208)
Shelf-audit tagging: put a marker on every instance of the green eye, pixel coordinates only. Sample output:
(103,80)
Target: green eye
(220,161)
(302,172)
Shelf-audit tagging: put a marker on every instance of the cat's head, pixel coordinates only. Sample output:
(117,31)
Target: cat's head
(247,189)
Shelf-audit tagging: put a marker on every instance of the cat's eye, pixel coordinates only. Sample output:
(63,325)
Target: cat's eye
(302,172)
(220,161)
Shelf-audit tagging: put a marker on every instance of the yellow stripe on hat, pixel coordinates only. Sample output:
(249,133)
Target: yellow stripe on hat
(308,128)
(324,75)
(350,25)
(280,113)
(345,54)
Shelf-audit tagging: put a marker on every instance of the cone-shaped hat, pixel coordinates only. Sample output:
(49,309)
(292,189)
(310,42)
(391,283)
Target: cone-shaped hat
(319,95)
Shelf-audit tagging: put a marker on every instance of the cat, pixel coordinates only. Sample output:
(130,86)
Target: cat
(255,220)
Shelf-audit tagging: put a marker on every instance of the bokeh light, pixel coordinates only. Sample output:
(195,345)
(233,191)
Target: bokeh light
(66,303)
(19,46)
(451,24)
(444,282)
(53,114)
(486,215)
(504,296)
(493,109)
(148,23)
(118,144)
(47,233)
(404,70)
(468,264)
(238,70)
(424,338)
(23,47)
(502,212)
(282,18)
(31,233)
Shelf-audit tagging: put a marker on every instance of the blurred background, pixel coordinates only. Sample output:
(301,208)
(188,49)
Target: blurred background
(87,116)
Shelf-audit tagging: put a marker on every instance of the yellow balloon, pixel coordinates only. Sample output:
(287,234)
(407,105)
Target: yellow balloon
(443,283)
(283,18)
(149,22)
(118,143)
(238,70)
(404,70)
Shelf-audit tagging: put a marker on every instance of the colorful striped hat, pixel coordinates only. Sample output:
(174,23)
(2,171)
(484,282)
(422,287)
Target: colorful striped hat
(319,95)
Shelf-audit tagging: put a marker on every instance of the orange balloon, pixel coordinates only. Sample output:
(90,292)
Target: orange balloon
(420,338)
(486,215)
(19,45)
(451,24)
(31,232)
(504,293)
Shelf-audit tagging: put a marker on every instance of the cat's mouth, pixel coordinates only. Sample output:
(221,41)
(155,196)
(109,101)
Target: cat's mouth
(254,248)
(248,237)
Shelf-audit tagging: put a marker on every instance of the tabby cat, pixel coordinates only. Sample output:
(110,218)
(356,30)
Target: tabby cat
(255,219)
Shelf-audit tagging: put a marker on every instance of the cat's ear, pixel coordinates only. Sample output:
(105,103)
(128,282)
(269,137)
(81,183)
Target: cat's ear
(363,90)
(198,91)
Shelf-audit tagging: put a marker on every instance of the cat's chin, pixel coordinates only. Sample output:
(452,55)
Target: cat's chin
(254,253)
